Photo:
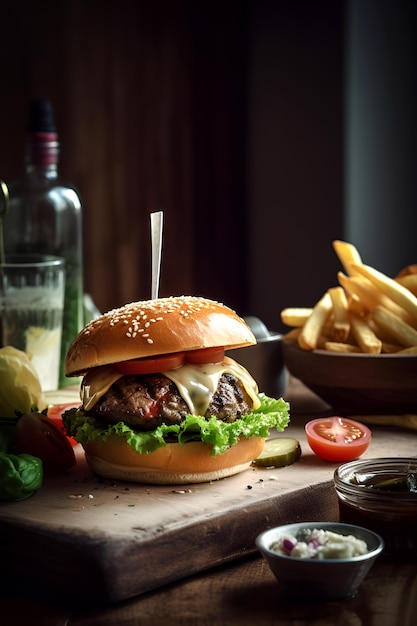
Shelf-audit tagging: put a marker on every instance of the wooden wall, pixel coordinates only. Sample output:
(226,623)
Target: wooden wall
(217,112)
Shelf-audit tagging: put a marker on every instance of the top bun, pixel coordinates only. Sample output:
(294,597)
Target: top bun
(154,327)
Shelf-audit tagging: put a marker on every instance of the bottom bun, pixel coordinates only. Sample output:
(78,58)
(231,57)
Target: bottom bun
(173,464)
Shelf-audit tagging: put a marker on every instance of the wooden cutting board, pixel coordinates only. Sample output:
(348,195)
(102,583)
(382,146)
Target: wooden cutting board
(100,541)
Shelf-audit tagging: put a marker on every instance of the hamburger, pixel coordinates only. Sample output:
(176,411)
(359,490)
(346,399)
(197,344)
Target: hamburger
(161,402)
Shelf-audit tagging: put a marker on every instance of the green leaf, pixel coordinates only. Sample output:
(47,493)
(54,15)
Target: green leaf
(20,476)
(272,413)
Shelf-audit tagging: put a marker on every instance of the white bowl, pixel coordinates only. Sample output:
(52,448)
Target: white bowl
(320,579)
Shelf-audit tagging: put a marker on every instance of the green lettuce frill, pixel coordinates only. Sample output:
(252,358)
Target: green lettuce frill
(272,413)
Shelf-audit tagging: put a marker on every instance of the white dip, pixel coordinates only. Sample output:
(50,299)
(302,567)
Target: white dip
(320,544)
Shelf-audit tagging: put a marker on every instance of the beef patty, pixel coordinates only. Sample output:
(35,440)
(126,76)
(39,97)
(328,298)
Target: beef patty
(144,402)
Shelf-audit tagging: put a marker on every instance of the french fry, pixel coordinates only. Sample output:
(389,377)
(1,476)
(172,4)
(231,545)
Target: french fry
(393,325)
(341,323)
(327,330)
(339,346)
(294,333)
(385,337)
(410,350)
(312,329)
(370,296)
(409,269)
(396,292)
(355,305)
(364,336)
(359,289)
(390,348)
(295,316)
(348,255)
(409,281)
(321,342)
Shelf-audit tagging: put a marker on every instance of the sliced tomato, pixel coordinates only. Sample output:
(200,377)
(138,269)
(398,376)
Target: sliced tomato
(205,355)
(151,365)
(38,435)
(55,412)
(167,362)
(337,438)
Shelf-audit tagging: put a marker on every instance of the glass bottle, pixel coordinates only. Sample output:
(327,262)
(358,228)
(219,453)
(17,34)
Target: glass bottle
(45,216)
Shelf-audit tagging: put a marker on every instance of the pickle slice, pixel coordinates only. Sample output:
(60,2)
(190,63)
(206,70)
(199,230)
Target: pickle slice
(279,452)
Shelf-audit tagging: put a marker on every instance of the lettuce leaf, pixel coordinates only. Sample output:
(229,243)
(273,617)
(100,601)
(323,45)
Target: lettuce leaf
(272,413)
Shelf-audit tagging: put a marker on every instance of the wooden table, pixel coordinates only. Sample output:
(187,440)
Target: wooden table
(244,591)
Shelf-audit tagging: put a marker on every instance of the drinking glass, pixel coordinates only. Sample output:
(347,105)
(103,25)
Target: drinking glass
(31,310)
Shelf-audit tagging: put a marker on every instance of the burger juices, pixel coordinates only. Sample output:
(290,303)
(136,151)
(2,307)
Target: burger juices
(161,403)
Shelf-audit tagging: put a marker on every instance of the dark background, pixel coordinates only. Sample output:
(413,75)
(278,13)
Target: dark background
(263,129)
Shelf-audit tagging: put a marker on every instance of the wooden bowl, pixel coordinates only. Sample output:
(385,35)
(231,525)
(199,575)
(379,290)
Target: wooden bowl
(356,383)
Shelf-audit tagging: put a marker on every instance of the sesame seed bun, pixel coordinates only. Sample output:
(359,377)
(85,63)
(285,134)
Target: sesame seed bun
(173,464)
(154,327)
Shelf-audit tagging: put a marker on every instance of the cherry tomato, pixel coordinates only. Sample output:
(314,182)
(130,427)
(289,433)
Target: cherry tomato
(151,365)
(205,355)
(337,438)
(55,412)
(38,435)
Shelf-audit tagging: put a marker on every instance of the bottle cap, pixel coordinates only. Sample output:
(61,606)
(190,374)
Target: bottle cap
(41,118)
(42,145)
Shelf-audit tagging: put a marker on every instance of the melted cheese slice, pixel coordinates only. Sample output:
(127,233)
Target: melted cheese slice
(195,383)
(96,383)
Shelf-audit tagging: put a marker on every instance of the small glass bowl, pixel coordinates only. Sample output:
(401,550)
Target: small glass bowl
(387,509)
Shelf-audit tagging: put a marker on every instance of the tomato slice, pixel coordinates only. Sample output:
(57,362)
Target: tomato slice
(151,365)
(337,438)
(205,355)
(55,412)
(38,435)
(166,362)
